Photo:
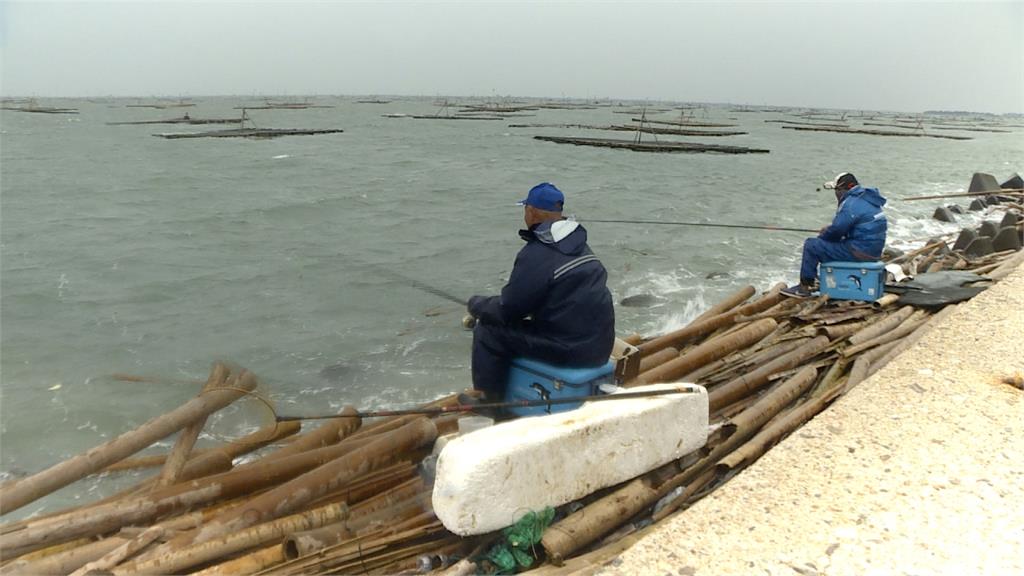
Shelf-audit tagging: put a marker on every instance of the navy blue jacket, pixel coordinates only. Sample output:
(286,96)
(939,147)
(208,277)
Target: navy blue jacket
(859,223)
(558,283)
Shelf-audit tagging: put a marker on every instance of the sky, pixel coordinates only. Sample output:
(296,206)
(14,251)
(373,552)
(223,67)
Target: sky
(900,56)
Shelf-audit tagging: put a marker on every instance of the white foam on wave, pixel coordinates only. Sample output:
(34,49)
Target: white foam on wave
(279,156)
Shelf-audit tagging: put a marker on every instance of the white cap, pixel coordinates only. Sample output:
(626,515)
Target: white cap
(841,178)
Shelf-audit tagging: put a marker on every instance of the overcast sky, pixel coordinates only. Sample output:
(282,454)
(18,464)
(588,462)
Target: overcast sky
(909,56)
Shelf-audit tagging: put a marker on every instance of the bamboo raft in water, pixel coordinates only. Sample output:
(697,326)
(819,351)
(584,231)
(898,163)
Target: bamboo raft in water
(181,120)
(877,132)
(685,124)
(349,496)
(799,123)
(41,110)
(673,131)
(686,147)
(250,133)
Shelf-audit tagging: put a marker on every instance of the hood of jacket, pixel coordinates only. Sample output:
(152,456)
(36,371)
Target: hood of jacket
(870,195)
(566,236)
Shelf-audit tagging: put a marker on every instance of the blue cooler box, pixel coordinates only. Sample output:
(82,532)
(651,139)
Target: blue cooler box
(852,280)
(533,380)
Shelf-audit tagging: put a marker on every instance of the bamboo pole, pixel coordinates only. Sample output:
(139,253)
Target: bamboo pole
(328,433)
(111,516)
(173,561)
(886,300)
(745,425)
(248,443)
(730,302)
(882,326)
(657,359)
(696,330)
(291,495)
(906,327)
(63,562)
(126,550)
(586,525)
(187,438)
(38,485)
(251,563)
(916,335)
(707,352)
(745,384)
(301,543)
(838,331)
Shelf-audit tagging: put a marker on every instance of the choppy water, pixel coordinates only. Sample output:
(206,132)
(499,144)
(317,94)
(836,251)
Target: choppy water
(122,252)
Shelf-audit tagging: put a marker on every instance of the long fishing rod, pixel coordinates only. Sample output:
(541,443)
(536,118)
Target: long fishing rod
(705,224)
(1003,192)
(496,405)
(418,284)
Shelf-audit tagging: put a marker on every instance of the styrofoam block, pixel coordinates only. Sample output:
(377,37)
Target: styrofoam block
(489,479)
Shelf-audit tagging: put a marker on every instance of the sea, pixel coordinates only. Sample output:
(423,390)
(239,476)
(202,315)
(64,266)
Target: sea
(328,265)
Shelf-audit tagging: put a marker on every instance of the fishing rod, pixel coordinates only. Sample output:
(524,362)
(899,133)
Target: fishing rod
(496,405)
(418,284)
(1003,192)
(705,224)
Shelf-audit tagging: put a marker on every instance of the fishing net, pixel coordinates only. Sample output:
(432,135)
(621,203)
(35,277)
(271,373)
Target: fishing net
(517,548)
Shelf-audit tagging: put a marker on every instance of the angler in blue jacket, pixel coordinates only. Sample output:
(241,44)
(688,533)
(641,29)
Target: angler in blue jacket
(556,306)
(857,232)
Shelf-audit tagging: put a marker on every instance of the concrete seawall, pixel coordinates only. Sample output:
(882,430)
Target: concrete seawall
(918,470)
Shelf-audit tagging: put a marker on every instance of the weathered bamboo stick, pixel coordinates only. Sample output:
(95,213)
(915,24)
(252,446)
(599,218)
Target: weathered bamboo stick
(745,384)
(258,439)
(837,331)
(915,336)
(251,563)
(38,485)
(909,255)
(695,330)
(906,327)
(591,522)
(328,433)
(657,359)
(187,438)
(859,371)
(63,562)
(730,302)
(118,555)
(886,300)
(1007,266)
(745,425)
(301,543)
(730,364)
(108,517)
(881,326)
(291,495)
(707,352)
(173,561)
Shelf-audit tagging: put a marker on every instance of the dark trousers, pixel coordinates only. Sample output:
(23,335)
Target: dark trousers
(495,346)
(816,251)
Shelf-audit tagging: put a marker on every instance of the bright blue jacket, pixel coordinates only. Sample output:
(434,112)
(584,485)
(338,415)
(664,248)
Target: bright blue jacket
(558,283)
(859,223)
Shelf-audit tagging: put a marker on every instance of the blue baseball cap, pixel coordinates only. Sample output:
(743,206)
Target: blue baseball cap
(544,196)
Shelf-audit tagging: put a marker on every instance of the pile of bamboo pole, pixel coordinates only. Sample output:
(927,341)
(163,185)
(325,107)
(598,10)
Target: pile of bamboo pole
(770,364)
(341,497)
(349,497)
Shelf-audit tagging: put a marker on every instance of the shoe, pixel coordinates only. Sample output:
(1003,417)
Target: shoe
(797,291)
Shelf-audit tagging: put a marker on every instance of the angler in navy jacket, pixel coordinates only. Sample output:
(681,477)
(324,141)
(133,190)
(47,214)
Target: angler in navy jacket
(857,231)
(556,306)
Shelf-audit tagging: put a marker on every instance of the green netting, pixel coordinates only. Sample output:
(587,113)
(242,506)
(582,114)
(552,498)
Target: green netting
(517,547)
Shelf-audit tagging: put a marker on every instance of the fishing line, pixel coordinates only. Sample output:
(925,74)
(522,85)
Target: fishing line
(705,224)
